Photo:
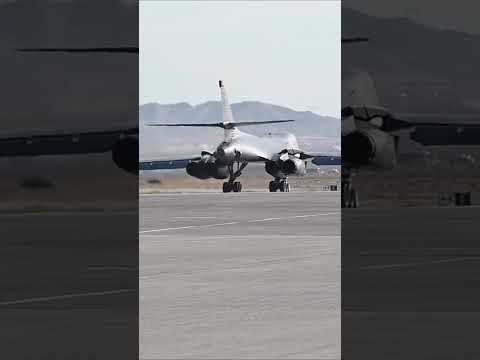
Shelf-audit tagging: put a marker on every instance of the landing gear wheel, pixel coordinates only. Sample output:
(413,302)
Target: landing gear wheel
(353,199)
(350,198)
(237,186)
(227,187)
(272,186)
(284,186)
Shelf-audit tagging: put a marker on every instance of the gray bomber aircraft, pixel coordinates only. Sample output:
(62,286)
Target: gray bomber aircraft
(372,135)
(280,153)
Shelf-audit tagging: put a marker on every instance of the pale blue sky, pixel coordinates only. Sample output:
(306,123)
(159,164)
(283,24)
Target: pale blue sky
(285,53)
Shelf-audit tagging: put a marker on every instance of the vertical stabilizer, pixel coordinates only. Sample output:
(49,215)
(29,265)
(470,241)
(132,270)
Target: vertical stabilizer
(227,110)
(230,132)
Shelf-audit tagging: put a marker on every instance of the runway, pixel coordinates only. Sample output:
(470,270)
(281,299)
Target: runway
(239,276)
(69,282)
(410,283)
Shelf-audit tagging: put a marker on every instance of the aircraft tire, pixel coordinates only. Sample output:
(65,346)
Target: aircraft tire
(237,186)
(272,186)
(227,187)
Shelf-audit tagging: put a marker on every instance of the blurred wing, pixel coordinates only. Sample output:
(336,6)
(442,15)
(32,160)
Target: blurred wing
(121,49)
(63,143)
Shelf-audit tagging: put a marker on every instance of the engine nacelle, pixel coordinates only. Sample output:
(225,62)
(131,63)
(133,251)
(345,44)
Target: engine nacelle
(369,148)
(293,166)
(290,166)
(272,168)
(204,170)
(125,154)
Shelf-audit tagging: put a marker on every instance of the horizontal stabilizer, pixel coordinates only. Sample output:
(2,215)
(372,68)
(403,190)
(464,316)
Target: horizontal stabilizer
(226,125)
(121,49)
(354,39)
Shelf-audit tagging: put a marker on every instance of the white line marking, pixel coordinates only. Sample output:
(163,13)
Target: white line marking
(293,217)
(390,266)
(68,213)
(188,227)
(100,268)
(63,297)
(238,222)
(195,217)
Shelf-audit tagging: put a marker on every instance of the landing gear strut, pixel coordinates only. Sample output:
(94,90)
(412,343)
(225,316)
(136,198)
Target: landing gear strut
(279,184)
(349,194)
(231,184)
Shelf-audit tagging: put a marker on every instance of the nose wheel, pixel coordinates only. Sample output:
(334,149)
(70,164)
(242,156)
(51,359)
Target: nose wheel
(281,185)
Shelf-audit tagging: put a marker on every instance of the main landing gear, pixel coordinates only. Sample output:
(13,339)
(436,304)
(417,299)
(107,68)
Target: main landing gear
(349,194)
(279,184)
(231,184)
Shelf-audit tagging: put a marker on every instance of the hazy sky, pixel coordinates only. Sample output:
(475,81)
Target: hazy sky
(284,53)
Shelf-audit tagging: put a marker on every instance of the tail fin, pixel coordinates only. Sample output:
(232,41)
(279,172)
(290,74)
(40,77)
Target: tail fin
(227,109)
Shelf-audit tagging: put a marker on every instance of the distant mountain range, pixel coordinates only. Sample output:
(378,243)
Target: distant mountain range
(314,132)
(416,68)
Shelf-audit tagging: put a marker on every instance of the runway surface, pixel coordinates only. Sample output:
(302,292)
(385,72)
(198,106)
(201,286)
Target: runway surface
(410,283)
(238,276)
(69,284)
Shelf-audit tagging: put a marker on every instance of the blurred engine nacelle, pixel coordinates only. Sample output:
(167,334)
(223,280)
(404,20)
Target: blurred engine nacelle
(369,148)
(125,154)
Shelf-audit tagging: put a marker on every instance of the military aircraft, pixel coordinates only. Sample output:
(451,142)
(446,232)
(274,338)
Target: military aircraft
(372,135)
(280,153)
(121,141)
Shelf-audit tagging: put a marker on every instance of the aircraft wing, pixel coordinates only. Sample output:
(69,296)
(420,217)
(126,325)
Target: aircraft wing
(326,159)
(167,164)
(123,143)
(63,143)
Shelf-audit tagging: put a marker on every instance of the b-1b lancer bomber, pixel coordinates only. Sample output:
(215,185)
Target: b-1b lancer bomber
(280,153)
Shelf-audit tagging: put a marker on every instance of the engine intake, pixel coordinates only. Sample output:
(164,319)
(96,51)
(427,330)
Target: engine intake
(372,148)
(357,148)
(293,165)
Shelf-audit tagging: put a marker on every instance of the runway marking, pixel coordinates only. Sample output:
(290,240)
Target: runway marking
(107,268)
(79,212)
(189,227)
(195,217)
(237,222)
(64,297)
(419,263)
(293,217)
